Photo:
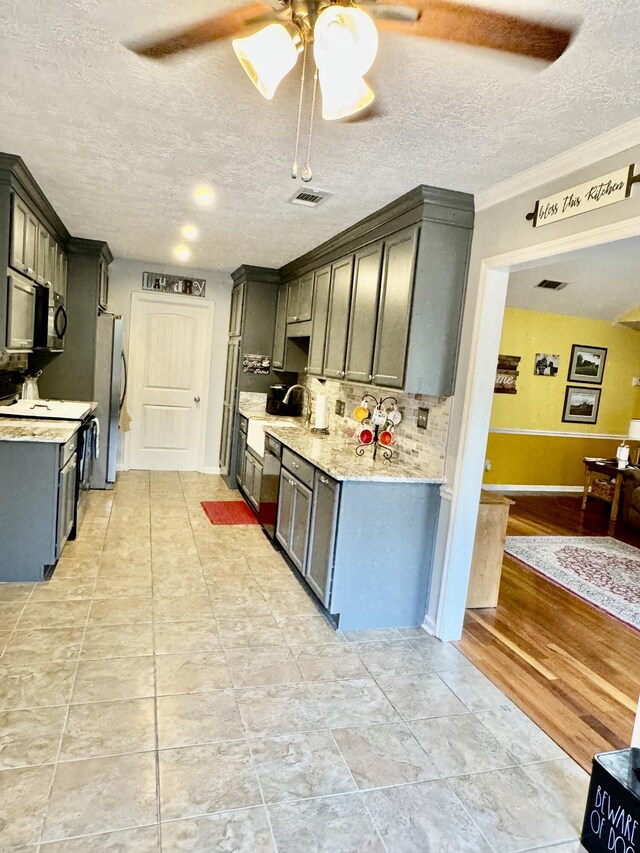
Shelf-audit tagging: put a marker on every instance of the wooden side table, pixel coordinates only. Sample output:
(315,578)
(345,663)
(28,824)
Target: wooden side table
(488,550)
(603,481)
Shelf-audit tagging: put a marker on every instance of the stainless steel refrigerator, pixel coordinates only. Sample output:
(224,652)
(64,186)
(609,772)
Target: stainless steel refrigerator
(109,389)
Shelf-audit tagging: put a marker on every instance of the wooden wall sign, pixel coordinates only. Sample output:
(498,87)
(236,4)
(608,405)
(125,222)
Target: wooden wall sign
(608,189)
(160,282)
(253,363)
(507,374)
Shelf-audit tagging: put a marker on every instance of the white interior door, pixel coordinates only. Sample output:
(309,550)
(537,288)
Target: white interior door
(170,354)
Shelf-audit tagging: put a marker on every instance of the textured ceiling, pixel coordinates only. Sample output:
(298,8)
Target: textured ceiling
(603,283)
(118,143)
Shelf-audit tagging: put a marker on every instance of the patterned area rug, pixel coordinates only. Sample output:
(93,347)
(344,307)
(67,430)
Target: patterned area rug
(599,569)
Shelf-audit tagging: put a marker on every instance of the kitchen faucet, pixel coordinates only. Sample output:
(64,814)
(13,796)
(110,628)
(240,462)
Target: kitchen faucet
(308,398)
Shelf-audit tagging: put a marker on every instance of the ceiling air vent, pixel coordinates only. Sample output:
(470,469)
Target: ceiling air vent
(552,285)
(308,197)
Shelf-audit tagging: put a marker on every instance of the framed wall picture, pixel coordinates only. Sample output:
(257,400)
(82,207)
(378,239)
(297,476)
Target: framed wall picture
(581,405)
(587,364)
(546,364)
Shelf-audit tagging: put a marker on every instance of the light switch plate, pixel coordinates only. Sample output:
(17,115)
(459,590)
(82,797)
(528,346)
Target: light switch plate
(423,418)
(340,408)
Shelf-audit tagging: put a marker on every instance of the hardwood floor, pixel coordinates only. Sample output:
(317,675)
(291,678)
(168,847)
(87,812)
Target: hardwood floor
(571,668)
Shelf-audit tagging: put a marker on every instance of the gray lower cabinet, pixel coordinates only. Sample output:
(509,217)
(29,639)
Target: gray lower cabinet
(324,514)
(394,313)
(338,318)
(37,506)
(364,313)
(322,285)
(240,462)
(294,516)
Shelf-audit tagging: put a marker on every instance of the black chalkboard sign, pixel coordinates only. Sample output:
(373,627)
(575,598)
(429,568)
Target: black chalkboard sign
(612,815)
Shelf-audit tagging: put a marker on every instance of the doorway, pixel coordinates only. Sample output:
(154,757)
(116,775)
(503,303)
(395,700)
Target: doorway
(545,620)
(170,362)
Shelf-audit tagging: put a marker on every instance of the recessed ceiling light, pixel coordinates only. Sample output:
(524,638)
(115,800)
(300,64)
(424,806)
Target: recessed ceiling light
(182,252)
(203,196)
(190,232)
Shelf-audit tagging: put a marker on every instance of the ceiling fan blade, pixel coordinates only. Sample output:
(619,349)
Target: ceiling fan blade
(441,19)
(212,29)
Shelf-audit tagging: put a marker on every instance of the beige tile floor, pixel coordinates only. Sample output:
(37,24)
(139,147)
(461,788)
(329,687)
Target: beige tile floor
(174,688)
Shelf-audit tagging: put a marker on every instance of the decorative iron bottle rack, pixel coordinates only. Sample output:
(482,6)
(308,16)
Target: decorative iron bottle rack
(385,449)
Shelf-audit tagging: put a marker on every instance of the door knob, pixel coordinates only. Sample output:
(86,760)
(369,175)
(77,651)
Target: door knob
(196,399)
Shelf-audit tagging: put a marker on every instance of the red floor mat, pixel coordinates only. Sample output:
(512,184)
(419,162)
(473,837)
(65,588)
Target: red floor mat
(228,512)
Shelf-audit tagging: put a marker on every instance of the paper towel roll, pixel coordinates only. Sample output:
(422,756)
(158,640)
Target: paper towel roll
(322,413)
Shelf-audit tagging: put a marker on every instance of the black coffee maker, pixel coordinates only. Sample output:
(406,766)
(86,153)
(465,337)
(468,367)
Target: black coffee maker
(277,406)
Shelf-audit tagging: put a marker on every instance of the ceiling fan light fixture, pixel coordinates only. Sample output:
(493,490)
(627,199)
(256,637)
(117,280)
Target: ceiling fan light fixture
(343,95)
(345,38)
(269,55)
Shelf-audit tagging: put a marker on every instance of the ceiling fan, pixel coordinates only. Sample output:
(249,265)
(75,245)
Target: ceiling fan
(268,38)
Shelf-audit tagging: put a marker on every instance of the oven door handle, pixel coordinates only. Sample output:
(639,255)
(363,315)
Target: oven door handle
(60,333)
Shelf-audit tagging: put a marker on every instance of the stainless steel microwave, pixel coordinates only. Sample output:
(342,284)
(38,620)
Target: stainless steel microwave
(50,319)
(21,308)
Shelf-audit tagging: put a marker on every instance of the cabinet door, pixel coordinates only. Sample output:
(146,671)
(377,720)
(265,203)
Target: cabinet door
(396,292)
(280,333)
(225,438)
(256,484)
(364,313)
(103,291)
(319,325)
(286,500)
(319,570)
(293,301)
(231,378)
(66,503)
(31,245)
(240,462)
(247,473)
(235,319)
(19,214)
(338,318)
(300,526)
(53,263)
(60,279)
(305,297)
(43,259)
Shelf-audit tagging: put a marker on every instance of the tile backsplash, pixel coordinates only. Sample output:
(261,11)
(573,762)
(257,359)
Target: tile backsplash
(424,448)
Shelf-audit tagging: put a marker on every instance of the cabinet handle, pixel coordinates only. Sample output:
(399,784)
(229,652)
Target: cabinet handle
(295,465)
(370,377)
(324,480)
(305,369)
(342,373)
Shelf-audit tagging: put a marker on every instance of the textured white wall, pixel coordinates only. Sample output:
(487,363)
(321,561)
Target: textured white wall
(125,278)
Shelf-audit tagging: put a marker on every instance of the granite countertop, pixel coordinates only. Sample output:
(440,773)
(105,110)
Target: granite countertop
(335,454)
(31,429)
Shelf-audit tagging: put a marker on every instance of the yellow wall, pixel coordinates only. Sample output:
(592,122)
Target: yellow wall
(538,405)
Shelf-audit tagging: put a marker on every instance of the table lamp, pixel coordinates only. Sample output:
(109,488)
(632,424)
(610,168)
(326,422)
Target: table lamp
(634,435)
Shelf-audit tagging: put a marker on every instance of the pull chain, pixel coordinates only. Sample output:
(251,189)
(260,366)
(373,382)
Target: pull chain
(307,174)
(294,167)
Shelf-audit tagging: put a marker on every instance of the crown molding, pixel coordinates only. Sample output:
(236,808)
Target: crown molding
(586,154)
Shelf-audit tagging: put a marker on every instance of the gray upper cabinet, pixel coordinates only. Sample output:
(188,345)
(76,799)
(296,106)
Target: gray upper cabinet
(24,238)
(235,317)
(280,332)
(364,313)
(305,297)
(338,318)
(395,308)
(319,323)
(324,513)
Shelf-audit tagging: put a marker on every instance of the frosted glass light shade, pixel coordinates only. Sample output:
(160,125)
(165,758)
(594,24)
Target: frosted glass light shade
(345,37)
(634,429)
(268,56)
(343,95)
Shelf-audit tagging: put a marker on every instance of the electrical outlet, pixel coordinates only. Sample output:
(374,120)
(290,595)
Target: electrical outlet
(487,464)
(339,408)
(635,381)
(423,418)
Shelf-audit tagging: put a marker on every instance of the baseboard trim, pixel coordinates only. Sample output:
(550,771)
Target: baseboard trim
(429,625)
(210,469)
(511,487)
